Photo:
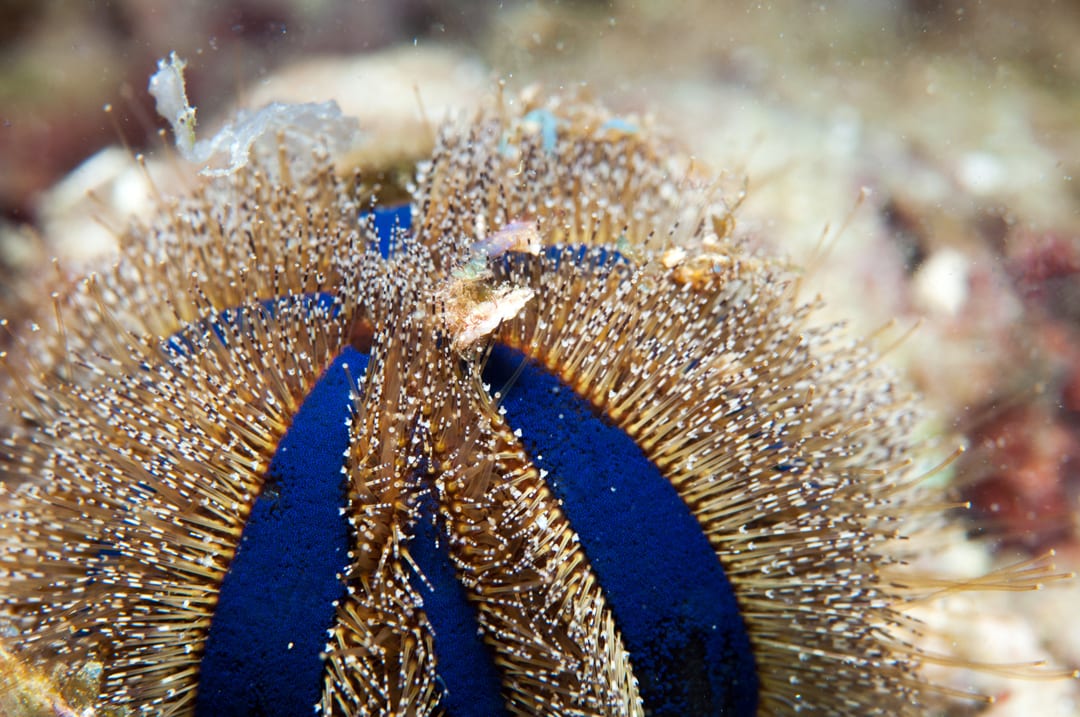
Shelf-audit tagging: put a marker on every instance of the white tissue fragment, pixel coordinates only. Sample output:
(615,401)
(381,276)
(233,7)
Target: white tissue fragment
(302,128)
(171,102)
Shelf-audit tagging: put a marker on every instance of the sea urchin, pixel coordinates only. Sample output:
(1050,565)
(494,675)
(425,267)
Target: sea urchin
(551,442)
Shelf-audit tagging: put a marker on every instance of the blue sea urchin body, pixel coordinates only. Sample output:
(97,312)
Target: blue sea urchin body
(291,455)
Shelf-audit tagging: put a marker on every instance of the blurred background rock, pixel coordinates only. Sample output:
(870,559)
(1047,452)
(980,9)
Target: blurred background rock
(956,120)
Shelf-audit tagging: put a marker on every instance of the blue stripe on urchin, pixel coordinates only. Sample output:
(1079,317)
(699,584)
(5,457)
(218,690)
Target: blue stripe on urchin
(673,604)
(387,222)
(236,321)
(465,664)
(277,601)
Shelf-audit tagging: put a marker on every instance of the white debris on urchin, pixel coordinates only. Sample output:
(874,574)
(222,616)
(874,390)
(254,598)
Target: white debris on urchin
(302,128)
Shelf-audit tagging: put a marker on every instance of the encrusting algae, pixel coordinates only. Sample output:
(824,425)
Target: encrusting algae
(554,441)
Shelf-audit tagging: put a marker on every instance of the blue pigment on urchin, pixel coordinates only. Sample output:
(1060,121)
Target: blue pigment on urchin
(549,127)
(672,602)
(276,602)
(465,663)
(386,221)
(231,322)
(577,254)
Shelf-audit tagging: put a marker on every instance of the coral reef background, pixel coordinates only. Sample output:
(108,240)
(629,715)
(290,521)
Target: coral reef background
(958,117)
